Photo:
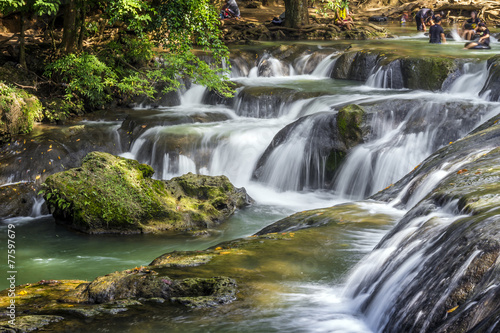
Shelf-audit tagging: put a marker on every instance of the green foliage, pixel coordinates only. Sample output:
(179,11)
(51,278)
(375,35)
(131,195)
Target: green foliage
(332,5)
(42,7)
(85,76)
(136,14)
(179,25)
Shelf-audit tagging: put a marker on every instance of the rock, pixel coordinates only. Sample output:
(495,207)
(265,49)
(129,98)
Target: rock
(29,323)
(343,66)
(405,72)
(349,122)
(17,199)
(453,229)
(426,73)
(377,18)
(147,284)
(256,101)
(171,98)
(110,194)
(492,85)
(18,112)
(329,136)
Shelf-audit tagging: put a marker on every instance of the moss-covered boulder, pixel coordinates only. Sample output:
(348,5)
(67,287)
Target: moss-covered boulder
(18,112)
(144,283)
(328,136)
(426,73)
(349,123)
(110,194)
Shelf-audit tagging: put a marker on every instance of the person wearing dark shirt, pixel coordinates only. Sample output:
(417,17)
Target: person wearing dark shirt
(421,17)
(470,26)
(484,38)
(436,32)
(230,9)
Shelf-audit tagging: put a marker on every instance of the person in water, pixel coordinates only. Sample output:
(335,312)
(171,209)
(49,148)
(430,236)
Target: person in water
(230,10)
(484,38)
(436,32)
(421,17)
(470,26)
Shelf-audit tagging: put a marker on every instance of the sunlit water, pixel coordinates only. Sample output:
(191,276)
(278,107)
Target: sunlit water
(232,146)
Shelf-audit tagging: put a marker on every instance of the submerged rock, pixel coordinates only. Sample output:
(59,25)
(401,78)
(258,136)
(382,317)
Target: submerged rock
(110,194)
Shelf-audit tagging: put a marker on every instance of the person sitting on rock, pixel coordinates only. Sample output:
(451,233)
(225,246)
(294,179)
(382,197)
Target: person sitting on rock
(342,17)
(436,32)
(421,17)
(470,26)
(484,38)
(230,10)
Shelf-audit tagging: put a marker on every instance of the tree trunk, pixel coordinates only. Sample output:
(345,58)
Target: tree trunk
(81,37)
(22,41)
(296,13)
(70,29)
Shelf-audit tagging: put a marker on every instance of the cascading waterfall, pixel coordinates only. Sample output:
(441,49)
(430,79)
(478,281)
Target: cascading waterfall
(404,128)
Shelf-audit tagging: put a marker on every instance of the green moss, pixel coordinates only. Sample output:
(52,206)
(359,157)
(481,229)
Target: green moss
(18,111)
(426,73)
(349,121)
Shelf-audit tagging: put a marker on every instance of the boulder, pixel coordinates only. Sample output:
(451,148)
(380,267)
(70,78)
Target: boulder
(426,73)
(492,85)
(448,243)
(18,112)
(145,283)
(110,194)
(17,199)
(328,137)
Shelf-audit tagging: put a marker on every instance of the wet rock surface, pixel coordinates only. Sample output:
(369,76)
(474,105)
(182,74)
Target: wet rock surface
(110,194)
(492,86)
(454,229)
(17,199)
(328,138)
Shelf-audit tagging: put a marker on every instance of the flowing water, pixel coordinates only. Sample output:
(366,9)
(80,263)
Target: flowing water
(230,138)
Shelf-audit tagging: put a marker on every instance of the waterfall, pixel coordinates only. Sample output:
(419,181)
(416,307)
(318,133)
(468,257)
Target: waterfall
(194,95)
(398,147)
(325,67)
(36,210)
(472,81)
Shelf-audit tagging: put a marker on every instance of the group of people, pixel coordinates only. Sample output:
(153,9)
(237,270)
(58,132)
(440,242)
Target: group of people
(473,29)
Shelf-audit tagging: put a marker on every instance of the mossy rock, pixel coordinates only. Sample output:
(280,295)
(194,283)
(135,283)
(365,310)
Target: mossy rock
(110,194)
(18,112)
(145,283)
(29,323)
(349,122)
(426,73)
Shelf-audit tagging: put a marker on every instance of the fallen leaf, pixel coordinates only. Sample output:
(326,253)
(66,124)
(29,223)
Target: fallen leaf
(453,309)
